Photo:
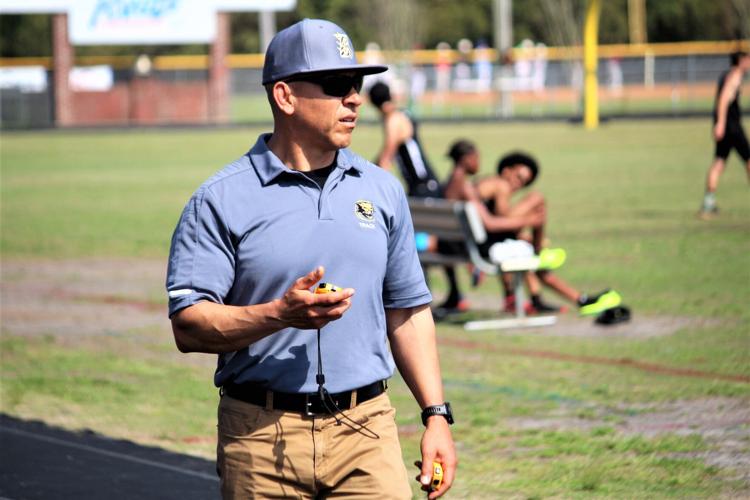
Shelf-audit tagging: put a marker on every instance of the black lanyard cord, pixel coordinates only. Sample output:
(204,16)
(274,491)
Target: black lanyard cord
(326,397)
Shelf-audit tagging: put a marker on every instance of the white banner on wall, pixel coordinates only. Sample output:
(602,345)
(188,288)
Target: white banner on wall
(24,78)
(141,22)
(91,78)
(34,6)
(254,5)
(61,6)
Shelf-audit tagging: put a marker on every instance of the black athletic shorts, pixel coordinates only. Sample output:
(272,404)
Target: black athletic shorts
(734,138)
(497,237)
(493,238)
(451,247)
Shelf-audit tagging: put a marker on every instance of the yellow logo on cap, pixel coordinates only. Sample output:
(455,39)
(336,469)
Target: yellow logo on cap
(345,48)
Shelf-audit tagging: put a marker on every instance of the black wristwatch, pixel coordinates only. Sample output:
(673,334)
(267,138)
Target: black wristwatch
(444,410)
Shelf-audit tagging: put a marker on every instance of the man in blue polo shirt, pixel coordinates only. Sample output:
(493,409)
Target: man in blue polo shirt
(303,411)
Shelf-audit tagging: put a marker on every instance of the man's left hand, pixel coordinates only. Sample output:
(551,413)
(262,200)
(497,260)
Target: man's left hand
(437,446)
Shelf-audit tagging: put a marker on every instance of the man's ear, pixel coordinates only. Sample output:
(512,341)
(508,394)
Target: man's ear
(284,98)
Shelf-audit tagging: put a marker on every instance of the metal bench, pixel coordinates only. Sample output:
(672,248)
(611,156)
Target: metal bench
(459,222)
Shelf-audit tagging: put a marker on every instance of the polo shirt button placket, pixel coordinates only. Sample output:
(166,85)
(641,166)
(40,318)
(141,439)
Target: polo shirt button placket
(324,212)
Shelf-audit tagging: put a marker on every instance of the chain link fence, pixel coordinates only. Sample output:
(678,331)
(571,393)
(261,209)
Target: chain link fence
(532,88)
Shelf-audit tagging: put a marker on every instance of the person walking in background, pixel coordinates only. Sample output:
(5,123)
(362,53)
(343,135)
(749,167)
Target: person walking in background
(304,415)
(727,132)
(401,145)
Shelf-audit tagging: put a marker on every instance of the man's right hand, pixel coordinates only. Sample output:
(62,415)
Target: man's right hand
(301,308)
(719,131)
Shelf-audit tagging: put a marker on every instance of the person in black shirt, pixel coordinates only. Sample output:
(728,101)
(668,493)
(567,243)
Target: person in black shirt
(401,144)
(727,132)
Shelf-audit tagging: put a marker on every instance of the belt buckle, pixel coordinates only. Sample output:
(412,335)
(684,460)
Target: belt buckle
(308,404)
(309,412)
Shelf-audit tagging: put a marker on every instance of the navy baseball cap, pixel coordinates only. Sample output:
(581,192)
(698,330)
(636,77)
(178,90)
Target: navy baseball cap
(312,46)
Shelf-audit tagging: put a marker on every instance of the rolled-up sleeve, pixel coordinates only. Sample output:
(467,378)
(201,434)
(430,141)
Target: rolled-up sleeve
(201,256)
(404,284)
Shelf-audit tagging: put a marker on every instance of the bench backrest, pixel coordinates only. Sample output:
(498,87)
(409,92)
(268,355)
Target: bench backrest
(452,221)
(438,217)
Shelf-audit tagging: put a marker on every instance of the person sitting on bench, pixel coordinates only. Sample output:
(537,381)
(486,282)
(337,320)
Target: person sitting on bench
(515,172)
(505,222)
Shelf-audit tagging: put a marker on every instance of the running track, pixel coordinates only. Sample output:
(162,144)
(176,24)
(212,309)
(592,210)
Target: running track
(42,462)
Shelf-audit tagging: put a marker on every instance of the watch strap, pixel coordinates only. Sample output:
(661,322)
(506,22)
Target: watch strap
(443,410)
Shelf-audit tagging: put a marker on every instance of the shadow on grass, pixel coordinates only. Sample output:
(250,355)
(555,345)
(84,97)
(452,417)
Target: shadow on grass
(40,461)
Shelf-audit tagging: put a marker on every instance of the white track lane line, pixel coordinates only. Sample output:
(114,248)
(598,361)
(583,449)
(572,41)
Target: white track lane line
(113,454)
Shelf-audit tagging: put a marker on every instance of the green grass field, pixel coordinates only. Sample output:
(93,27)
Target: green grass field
(622,201)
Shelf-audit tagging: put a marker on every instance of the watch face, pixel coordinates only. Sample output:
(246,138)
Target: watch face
(449,412)
(443,410)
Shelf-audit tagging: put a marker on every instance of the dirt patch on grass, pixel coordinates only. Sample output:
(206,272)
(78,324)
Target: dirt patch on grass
(82,297)
(724,424)
(93,302)
(569,324)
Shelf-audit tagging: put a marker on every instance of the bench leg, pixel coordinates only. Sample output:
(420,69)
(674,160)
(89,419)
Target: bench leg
(520,320)
(519,293)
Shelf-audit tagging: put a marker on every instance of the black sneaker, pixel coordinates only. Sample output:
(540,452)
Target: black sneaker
(619,314)
(538,306)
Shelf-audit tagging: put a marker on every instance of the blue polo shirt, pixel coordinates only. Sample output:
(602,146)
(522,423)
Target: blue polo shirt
(256,226)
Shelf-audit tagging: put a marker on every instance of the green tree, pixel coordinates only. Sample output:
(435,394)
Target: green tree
(449,21)
(25,36)
(560,22)
(245,31)
(687,20)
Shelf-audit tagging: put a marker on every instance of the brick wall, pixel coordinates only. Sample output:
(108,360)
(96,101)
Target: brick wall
(142,102)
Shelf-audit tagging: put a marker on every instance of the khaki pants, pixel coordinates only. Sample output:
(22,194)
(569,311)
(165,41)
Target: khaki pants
(275,454)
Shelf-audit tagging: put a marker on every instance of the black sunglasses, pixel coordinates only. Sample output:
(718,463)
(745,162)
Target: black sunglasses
(334,85)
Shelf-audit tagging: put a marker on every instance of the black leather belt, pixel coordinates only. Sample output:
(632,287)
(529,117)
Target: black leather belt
(307,403)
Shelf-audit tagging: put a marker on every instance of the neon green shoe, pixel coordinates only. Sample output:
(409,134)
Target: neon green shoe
(596,304)
(552,258)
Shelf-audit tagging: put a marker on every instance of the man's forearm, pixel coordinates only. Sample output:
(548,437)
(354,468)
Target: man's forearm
(384,162)
(725,98)
(499,223)
(414,346)
(721,112)
(215,328)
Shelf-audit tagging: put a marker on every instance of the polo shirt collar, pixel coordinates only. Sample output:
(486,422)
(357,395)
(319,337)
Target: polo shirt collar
(269,167)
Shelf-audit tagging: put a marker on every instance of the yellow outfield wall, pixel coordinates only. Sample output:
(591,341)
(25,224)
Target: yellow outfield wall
(245,61)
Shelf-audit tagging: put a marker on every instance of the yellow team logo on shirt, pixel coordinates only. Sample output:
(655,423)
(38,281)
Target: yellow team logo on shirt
(364,210)
(345,48)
